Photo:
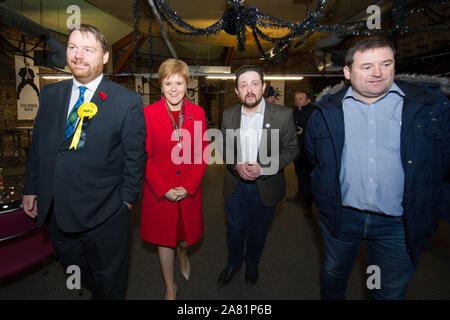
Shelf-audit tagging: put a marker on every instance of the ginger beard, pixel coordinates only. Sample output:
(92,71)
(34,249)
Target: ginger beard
(83,70)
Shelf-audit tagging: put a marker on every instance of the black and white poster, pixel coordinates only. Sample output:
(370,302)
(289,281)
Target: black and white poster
(27,88)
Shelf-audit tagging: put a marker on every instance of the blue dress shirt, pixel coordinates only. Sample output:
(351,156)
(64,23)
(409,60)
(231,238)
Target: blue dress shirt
(371,175)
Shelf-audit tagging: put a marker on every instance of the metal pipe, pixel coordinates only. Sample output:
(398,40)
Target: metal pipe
(201,74)
(9,16)
(163,30)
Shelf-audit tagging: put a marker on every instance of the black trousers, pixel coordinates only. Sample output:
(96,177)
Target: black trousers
(101,253)
(248,220)
(303,170)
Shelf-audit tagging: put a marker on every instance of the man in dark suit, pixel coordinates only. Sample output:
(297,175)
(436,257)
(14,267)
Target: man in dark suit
(259,141)
(302,111)
(84,174)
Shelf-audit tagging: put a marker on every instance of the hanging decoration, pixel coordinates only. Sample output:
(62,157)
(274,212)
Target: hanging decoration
(136,32)
(150,45)
(238,18)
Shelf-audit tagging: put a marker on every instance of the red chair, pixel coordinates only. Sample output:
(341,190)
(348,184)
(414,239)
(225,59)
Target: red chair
(22,244)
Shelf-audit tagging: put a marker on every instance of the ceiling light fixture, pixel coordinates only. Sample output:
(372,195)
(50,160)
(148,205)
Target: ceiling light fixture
(283,78)
(266,77)
(56,76)
(220,76)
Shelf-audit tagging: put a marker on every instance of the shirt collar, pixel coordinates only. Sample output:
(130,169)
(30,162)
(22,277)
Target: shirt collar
(92,86)
(396,89)
(261,109)
(393,89)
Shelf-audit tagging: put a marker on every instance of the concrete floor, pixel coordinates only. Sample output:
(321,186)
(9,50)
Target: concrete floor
(289,268)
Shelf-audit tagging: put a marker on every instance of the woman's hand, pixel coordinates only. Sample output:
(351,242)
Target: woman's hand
(181,193)
(176,194)
(171,195)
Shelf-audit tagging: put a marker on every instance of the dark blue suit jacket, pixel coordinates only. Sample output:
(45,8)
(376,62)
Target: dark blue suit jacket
(86,186)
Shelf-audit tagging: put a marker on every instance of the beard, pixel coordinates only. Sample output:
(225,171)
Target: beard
(86,74)
(251,105)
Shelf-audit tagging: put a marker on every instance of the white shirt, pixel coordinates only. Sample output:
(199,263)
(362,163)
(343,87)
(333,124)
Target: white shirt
(251,131)
(88,94)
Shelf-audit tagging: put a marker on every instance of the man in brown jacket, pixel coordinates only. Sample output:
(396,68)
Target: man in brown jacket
(259,141)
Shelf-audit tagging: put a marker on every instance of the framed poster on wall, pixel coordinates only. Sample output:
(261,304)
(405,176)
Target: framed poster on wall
(27,88)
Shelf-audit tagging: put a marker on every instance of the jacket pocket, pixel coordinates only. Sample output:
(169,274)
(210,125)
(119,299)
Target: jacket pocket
(323,190)
(107,181)
(425,212)
(324,148)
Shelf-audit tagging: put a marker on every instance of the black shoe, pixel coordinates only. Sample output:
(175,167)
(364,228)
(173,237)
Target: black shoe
(308,212)
(295,198)
(226,276)
(251,276)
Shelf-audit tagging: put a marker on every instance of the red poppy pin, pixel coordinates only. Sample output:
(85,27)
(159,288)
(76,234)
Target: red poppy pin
(102,95)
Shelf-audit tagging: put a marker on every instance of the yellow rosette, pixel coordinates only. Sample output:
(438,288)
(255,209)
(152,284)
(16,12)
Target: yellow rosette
(87,109)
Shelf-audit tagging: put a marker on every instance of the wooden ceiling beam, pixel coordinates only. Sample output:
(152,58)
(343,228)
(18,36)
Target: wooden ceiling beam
(123,42)
(126,58)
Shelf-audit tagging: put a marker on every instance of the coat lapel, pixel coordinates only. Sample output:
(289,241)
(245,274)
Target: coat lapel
(101,94)
(189,119)
(236,120)
(268,121)
(268,116)
(236,125)
(166,125)
(99,98)
(63,107)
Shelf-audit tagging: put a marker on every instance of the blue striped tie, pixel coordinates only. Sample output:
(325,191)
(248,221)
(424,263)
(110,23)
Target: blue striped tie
(73,117)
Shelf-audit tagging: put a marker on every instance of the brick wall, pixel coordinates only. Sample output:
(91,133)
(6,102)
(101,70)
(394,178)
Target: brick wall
(8,102)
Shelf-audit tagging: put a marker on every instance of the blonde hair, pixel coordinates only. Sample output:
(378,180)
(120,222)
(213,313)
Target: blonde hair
(173,66)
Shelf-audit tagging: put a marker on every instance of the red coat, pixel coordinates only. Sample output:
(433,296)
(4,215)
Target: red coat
(159,215)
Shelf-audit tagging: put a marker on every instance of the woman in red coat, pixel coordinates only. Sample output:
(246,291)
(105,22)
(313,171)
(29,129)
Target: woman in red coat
(177,158)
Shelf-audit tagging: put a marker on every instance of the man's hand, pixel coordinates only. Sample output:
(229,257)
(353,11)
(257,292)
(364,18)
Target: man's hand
(249,171)
(30,205)
(128,205)
(300,130)
(255,170)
